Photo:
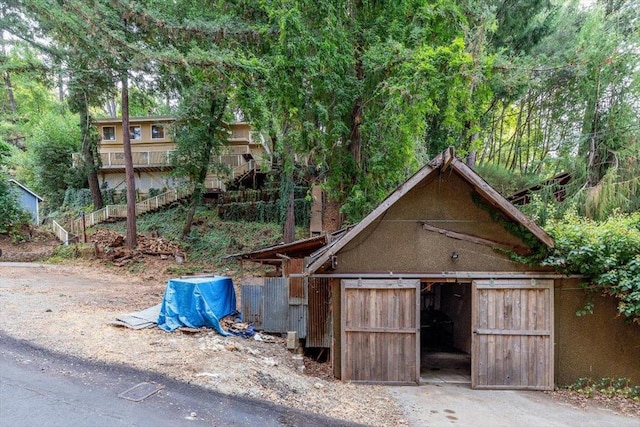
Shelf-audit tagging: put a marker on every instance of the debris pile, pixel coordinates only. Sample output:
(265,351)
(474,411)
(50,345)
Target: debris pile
(236,327)
(110,244)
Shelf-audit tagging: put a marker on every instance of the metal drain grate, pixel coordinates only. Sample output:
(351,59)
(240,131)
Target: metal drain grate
(141,391)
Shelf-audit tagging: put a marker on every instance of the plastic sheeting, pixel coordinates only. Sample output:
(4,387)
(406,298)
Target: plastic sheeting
(197,302)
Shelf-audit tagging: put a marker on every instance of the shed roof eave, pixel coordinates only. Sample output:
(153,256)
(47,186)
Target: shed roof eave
(482,187)
(25,188)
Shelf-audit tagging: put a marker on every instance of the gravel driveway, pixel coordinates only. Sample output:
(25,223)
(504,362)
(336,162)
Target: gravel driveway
(68,309)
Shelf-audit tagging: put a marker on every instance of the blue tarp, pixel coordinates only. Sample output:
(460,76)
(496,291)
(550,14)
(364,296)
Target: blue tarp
(197,302)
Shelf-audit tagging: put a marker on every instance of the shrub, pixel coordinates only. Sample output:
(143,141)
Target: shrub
(12,216)
(607,252)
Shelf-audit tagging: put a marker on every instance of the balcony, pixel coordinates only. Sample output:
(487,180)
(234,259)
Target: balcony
(141,160)
(238,159)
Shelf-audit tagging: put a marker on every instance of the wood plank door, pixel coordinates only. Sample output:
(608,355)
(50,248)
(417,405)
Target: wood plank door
(380,331)
(512,340)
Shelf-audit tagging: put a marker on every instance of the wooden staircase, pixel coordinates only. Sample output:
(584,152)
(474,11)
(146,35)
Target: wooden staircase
(117,212)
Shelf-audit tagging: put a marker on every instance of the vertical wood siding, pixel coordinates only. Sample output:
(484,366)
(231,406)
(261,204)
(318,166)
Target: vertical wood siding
(512,334)
(380,331)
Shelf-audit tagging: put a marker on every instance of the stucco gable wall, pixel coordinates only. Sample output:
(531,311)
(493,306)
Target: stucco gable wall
(398,243)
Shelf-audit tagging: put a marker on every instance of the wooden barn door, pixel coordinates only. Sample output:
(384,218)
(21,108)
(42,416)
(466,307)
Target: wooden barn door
(512,342)
(381,331)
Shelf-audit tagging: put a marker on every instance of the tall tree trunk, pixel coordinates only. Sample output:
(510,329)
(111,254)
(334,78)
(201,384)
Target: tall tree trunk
(6,76)
(110,106)
(60,85)
(290,220)
(216,113)
(88,150)
(471,158)
(131,238)
(355,138)
(12,99)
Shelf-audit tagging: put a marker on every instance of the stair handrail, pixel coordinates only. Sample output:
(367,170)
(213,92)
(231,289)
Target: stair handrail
(112,211)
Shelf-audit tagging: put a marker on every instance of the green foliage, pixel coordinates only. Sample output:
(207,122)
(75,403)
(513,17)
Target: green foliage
(504,180)
(607,252)
(63,252)
(262,211)
(153,192)
(54,140)
(606,386)
(363,92)
(12,216)
(210,239)
(77,198)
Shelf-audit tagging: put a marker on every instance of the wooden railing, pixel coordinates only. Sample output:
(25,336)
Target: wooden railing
(118,212)
(60,232)
(140,159)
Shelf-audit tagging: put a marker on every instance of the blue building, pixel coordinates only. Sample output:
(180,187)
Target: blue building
(29,200)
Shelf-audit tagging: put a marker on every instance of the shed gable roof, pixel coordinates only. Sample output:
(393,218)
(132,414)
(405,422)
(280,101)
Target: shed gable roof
(26,189)
(441,163)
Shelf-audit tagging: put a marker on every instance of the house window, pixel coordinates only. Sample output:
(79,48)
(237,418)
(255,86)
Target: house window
(108,133)
(157,132)
(135,132)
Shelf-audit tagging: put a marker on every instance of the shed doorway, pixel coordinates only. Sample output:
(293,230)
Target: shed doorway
(445,332)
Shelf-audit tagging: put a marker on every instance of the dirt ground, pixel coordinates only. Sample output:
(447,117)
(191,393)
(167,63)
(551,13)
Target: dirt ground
(70,309)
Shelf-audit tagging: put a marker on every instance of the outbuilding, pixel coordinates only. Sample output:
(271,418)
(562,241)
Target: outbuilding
(29,200)
(446,264)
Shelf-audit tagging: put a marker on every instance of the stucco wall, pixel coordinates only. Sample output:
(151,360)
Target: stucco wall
(398,243)
(597,345)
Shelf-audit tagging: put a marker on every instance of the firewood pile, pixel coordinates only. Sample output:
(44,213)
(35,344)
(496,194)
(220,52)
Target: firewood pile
(111,245)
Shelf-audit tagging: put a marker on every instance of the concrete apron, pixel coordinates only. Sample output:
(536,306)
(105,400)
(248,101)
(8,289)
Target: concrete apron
(459,405)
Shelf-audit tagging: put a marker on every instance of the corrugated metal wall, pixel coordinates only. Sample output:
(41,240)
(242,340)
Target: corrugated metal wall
(277,310)
(252,305)
(276,304)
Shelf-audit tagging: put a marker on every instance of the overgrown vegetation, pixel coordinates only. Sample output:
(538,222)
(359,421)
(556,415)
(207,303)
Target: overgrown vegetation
(211,238)
(606,386)
(12,217)
(606,252)
(361,92)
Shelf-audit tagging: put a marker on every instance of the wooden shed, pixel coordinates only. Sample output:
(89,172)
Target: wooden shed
(29,201)
(432,270)
(433,267)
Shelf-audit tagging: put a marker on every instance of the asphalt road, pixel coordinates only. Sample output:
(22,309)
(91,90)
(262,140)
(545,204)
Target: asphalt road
(41,388)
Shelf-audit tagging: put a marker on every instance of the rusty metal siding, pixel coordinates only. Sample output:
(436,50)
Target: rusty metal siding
(252,305)
(276,304)
(319,312)
(296,284)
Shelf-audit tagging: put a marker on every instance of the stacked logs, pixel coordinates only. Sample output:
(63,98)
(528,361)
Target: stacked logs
(111,245)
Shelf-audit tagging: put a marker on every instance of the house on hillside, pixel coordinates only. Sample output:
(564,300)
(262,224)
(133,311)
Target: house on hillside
(245,154)
(29,201)
(428,284)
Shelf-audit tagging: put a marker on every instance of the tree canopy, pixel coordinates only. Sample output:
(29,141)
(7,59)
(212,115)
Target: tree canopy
(361,92)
